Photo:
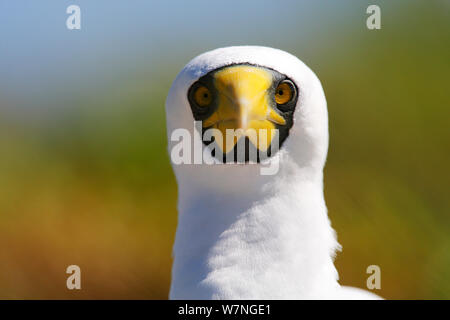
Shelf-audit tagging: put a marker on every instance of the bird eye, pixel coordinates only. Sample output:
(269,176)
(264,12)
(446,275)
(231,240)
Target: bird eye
(284,92)
(202,96)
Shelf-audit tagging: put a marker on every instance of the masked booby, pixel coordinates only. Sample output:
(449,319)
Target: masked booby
(243,234)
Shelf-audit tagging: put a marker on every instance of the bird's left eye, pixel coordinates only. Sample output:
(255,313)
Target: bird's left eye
(202,96)
(284,92)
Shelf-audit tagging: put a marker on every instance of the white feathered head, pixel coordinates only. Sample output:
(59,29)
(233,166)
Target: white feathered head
(269,101)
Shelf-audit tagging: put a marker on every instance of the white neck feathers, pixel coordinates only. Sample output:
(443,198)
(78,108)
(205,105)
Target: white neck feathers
(274,243)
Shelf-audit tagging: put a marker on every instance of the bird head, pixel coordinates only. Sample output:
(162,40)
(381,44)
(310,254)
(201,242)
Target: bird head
(241,108)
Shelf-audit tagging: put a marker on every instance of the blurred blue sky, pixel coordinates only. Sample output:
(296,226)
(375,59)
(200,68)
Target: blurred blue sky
(40,55)
(40,58)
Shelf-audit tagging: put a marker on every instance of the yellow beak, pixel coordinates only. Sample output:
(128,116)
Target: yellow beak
(244,108)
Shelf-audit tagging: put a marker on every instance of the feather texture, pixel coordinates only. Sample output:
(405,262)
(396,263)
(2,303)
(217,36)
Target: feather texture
(243,235)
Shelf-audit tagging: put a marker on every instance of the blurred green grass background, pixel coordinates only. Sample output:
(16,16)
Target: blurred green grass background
(91,184)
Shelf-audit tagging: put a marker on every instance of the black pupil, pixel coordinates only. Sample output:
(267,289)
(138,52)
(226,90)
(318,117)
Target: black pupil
(205,95)
(280,92)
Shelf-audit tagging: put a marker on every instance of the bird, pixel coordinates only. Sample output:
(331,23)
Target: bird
(243,233)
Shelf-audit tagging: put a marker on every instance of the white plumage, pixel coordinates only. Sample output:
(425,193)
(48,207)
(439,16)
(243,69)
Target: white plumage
(243,235)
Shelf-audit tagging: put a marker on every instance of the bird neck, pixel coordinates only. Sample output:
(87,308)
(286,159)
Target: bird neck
(275,242)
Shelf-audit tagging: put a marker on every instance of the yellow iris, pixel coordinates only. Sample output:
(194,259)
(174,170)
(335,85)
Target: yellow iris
(202,96)
(283,93)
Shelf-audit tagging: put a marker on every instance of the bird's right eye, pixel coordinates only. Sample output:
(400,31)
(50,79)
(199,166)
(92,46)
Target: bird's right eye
(202,96)
(284,92)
